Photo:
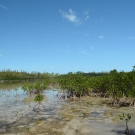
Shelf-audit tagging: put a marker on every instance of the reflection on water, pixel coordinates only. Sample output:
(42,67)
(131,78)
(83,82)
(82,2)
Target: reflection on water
(17,109)
(12,97)
(58,117)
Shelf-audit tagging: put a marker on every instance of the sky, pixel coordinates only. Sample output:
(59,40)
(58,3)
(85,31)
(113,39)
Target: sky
(61,36)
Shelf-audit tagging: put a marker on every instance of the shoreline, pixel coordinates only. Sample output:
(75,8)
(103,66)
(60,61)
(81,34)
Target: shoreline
(86,117)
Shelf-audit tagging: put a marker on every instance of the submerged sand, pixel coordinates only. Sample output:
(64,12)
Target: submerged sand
(88,116)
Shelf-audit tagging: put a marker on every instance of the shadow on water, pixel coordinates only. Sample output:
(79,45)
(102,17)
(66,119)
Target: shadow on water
(122,132)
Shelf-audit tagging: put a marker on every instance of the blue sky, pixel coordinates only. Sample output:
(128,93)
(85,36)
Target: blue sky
(64,36)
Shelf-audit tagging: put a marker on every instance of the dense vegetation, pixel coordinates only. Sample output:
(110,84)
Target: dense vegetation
(118,86)
(16,75)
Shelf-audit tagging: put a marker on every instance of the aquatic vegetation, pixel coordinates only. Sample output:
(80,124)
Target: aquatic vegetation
(90,108)
(28,88)
(75,85)
(37,88)
(27,130)
(17,113)
(119,87)
(39,98)
(3,127)
(127,118)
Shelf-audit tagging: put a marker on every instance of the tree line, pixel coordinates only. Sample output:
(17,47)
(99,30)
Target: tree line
(23,75)
(118,86)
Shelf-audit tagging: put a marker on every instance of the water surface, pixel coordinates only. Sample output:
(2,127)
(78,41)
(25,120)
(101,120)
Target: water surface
(90,115)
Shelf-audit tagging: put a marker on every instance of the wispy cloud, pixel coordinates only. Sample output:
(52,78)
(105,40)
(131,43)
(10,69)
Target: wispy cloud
(91,47)
(83,52)
(52,67)
(86,12)
(101,18)
(131,38)
(1,6)
(32,22)
(112,53)
(87,17)
(82,33)
(101,37)
(70,16)
(86,34)
(67,45)
(0,55)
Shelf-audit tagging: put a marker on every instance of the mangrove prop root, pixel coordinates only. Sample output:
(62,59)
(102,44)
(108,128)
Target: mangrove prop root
(39,107)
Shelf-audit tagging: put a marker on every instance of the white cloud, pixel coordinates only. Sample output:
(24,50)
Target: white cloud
(70,16)
(101,37)
(83,52)
(1,6)
(0,55)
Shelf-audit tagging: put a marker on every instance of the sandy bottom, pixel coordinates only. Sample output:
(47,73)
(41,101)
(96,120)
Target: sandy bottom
(90,116)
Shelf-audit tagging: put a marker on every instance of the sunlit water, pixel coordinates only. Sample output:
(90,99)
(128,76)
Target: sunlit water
(80,117)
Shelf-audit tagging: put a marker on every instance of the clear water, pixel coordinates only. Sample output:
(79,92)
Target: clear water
(80,117)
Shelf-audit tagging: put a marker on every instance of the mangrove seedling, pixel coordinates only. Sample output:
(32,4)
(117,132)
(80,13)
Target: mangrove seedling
(38,98)
(29,88)
(3,129)
(17,116)
(127,118)
(27,130)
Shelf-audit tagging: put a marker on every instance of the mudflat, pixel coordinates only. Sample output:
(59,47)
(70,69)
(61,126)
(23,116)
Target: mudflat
(88,116)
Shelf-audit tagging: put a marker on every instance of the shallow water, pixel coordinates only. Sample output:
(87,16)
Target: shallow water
(89,115)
